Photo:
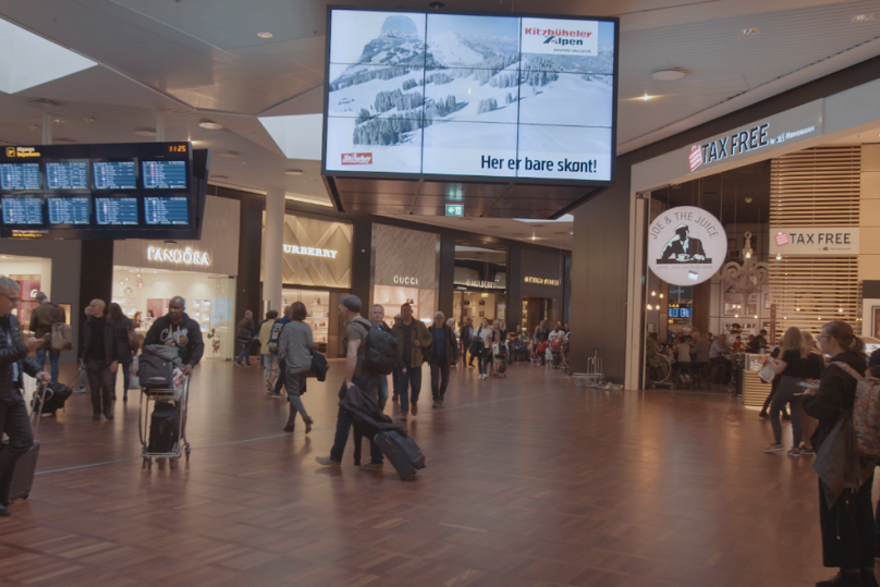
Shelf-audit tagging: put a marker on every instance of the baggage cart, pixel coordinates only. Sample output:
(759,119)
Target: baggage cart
(179,400)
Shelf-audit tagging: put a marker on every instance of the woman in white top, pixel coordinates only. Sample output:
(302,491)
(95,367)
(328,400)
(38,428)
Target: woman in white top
(485,334)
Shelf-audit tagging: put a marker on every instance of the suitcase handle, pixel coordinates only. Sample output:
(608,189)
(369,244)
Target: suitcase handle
(36,416)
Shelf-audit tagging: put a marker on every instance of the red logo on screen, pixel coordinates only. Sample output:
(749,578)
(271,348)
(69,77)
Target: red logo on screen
(357,158)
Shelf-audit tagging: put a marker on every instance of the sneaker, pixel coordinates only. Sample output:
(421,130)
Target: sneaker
(5,513)
(96,416)
(764,415)
(793,452)
(786,417)
(806,450)
(237,364)
(415,410)
(372,467)
(436,404)
(79,390)
(108,415)
(402,415)
(842,579)
(775,448)
(327,462)
(278,395)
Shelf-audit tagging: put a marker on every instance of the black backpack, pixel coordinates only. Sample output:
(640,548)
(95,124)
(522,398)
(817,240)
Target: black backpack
(55,397)
(380,351)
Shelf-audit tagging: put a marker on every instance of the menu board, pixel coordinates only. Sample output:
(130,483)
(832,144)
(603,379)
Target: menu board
(67,175)
(19,211)
(68,210)
(116,211)
(20,177)
(113,191)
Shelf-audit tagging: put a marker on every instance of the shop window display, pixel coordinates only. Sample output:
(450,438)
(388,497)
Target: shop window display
(423,302)
(318,306)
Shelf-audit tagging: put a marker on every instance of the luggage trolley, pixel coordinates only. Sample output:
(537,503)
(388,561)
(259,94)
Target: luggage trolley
(180,400)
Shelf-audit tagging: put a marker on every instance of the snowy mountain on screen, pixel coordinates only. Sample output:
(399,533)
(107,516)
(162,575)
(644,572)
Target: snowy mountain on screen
(393,48)
(449,49)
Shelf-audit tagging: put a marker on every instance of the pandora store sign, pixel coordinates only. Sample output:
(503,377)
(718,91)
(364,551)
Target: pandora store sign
(185,256)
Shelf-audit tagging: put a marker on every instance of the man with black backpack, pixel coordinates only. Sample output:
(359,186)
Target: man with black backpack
(362,341)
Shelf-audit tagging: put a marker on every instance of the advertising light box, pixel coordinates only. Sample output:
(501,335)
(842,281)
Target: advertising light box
(452,95)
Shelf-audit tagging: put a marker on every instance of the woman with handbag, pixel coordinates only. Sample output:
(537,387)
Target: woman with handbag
(795,366)
(295,348)
(847,522)
(127,343)
(482,346)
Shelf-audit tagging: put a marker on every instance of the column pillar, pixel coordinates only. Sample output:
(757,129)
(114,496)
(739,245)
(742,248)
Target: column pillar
(273,247)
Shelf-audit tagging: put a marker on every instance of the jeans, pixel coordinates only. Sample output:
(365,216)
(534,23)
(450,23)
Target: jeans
(395,380)
(244,354)
(383,391)
(785,395)
(14,421)
(439,378)
(126,377)
(101,384)
(411,380)
(484,362)
(282,368)
(343,422)
(53,361)
(268,366)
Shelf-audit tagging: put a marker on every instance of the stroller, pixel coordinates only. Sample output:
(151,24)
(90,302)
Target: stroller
(499,360)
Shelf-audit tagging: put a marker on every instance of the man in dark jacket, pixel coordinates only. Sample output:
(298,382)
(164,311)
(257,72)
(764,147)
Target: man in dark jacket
(42,319)
(99,355)
(14,361)
(178,330)
(244,334)
(443,353)
(413,341)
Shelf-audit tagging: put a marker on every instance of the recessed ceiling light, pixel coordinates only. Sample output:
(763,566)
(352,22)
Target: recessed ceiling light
(265,35)
(646,97)
(668,75)
(209,124)
(747,32)
(228,154)
(863,17)
(293,171)
(145,132)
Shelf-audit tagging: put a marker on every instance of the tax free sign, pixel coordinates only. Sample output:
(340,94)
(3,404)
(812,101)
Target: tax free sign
(814,241)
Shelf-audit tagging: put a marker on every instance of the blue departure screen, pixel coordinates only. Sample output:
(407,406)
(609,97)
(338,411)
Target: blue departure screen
(164,175)
(67,175)
(116,211)
(166,211)
(22,210)
(115,175)
(19,176)
(68,210)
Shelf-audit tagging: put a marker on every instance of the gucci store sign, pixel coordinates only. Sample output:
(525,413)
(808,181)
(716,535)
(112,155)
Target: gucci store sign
(405,258)
(686,245)
(814,241)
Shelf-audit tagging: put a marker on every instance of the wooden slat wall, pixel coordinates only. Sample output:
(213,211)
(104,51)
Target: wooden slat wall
(815,187)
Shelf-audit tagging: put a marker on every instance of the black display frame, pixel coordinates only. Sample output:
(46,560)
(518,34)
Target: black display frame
(196,161)
(476,179)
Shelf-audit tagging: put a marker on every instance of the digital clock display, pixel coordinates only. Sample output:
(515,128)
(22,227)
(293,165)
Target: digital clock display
(177,148)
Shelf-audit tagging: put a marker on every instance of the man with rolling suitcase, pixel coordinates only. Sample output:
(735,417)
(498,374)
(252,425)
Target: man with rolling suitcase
(14,362)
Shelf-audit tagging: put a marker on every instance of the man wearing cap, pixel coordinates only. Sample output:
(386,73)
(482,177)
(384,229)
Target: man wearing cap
(356,330)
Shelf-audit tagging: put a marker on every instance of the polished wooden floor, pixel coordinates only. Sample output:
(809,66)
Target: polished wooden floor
(531,482)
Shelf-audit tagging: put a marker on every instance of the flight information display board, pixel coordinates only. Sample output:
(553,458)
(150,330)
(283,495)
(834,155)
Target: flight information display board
(164,175)
(114,191)
(67,175)
(457,95)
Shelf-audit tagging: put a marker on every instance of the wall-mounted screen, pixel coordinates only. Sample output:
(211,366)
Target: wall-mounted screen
(22,211)
(166,211)
(69,210)
(115,175)
(20,177)
(121,211)
(112,191)
(470,95)
(67,175)
(164,175)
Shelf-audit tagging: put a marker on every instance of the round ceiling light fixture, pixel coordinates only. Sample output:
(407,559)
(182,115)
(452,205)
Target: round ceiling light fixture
(145,131)
(265,35)
(748,200)
(209,124)
(747,32)
(293,171)
(668,75)
(228,154)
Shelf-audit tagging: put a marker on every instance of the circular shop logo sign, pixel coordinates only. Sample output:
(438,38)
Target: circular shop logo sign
(686,245)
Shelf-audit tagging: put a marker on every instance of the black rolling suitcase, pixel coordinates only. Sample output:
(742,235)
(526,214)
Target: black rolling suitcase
(17,482)
(403,452)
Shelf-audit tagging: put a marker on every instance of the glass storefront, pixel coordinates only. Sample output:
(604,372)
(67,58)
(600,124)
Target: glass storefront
(405,271)
(480,282)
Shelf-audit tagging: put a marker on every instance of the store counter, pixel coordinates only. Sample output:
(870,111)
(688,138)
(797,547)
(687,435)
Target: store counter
(754,390)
